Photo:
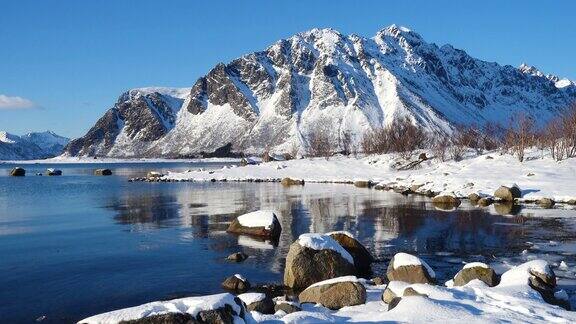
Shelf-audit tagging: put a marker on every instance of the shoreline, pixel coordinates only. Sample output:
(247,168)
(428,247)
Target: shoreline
(538,177)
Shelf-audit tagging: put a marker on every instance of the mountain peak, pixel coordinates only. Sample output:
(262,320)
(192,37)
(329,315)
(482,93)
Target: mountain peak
(529,69)
(275,99)
(399,31)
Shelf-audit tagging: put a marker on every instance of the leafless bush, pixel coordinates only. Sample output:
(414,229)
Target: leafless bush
(401,137)
(347,142)
(520,136)
(559,135)
(319,140)
(440,146)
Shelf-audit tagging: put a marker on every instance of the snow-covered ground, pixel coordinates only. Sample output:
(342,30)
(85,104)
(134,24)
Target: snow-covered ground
(538,176)
(511,301)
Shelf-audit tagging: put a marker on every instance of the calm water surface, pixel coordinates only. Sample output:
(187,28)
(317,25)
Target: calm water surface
(77,245)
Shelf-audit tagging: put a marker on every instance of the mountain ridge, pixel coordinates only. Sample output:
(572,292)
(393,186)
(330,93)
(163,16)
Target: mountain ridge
(31,146)
(276,98)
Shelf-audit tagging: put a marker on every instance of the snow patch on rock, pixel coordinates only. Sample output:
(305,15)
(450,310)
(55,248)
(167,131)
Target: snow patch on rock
(324,242)
(260,218)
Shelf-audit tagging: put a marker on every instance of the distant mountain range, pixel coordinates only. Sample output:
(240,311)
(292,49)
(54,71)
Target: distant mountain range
(345,84)
(31,146)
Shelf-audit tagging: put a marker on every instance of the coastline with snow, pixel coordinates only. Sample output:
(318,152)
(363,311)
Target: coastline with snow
(538,177)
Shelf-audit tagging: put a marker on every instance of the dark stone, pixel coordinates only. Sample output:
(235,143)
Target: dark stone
(264,306)
(394,302)
(233,283)
(286,308)
(362,257)
(18,172)
(102,172)
(237,257)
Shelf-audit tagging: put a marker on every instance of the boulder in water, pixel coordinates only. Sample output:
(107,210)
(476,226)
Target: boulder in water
(316,257)
(262,223)
(102,172)
(362,257)
(508,193)
(292,182)
(18,172)
(54,172)
(237,283)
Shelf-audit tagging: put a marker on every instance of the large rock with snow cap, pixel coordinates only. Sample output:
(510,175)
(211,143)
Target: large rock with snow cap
(213,309)
(258,302)
(476,270)
(508,193)
(361,255)
(409,268)
(316,257)
(335,293)
(262,223)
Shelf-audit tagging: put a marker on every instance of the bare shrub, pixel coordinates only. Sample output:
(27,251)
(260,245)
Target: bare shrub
(559,135)
(319,140)
(347,142)
(440,147)
(519,136)
(401,137)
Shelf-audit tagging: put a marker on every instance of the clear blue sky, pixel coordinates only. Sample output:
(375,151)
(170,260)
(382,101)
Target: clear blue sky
(68,61)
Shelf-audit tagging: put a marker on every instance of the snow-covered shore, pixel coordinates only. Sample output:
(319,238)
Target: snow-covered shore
(538,176)
(513,300)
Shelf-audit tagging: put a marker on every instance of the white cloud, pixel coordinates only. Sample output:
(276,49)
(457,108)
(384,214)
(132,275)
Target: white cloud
(7,103)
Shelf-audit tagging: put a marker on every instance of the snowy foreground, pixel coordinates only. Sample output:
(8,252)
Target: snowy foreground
(537,177)
(511,301)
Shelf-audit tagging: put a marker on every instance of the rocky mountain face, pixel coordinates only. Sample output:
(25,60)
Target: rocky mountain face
(321,80)
(31,146)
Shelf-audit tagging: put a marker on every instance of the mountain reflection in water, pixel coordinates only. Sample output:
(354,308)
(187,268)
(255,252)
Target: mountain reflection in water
(384,222)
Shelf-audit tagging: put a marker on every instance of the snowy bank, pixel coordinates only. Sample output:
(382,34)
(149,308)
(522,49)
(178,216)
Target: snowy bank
(513,300)
(538,176)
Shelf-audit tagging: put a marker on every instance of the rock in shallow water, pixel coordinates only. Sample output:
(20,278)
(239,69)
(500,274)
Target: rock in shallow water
(18,172)
(102,172)
(362,257)
(292,182)
(237,257)
(236,283)
(260,223)
(306,266)
(508,193)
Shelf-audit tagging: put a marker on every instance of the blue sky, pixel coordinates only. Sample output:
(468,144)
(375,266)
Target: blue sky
(63,63)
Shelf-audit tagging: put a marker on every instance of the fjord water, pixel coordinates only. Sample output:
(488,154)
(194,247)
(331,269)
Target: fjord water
(77,245)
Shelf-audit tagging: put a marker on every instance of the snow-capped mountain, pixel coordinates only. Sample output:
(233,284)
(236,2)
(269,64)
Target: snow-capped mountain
(31,146)
(275,98)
